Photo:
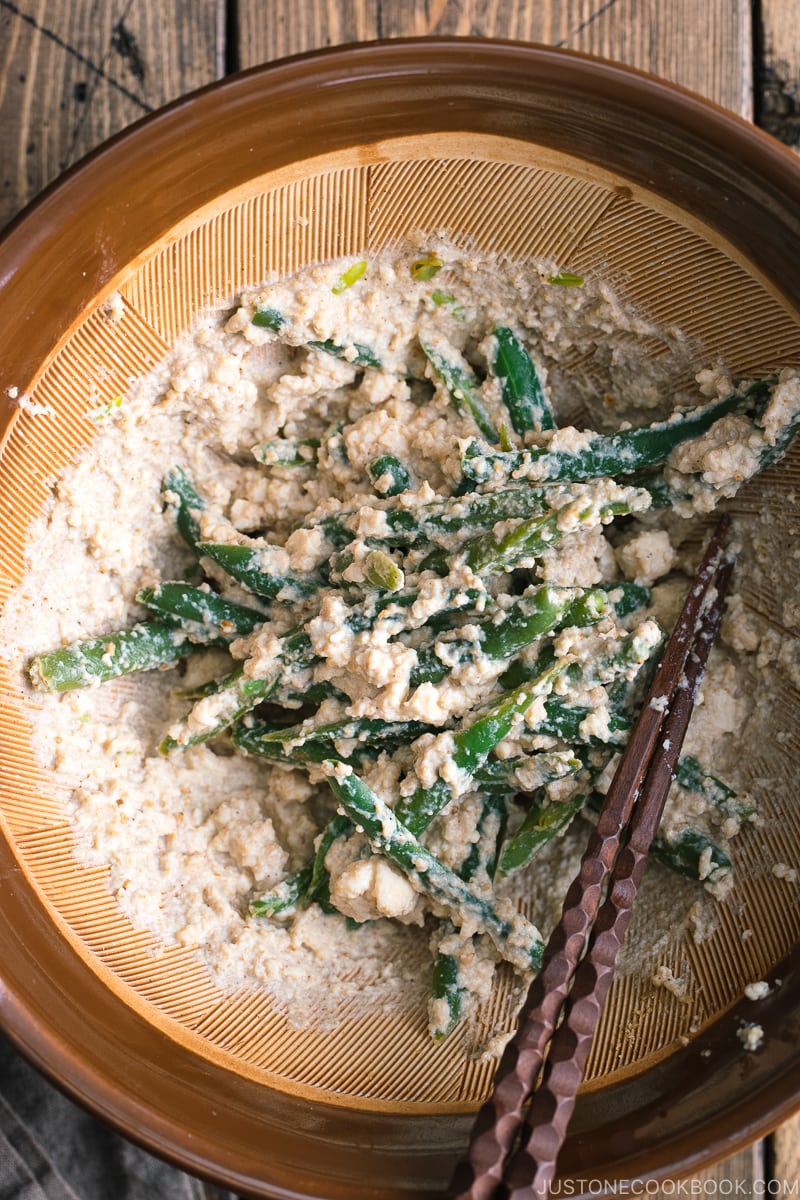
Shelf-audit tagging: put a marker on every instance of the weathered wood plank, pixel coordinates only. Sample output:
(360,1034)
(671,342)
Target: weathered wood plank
(744,1168)
(72,74)
(705,47)
(779,71)
(786,1152)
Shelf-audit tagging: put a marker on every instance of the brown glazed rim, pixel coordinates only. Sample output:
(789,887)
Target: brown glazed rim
(71,246)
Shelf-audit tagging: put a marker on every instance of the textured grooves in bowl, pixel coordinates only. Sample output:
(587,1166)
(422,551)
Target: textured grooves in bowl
(491,193)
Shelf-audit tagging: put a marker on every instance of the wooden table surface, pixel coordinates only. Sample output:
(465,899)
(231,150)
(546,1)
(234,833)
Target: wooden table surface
(74,72)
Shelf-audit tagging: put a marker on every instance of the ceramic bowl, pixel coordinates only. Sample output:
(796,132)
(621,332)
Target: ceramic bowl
(690,214)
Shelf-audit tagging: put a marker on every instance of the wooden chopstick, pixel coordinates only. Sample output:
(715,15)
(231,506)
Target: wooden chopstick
(643,774)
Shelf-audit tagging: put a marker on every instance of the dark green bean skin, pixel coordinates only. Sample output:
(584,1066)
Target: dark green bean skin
(242,564)
(542,823)
(179,490)
(445,985)
(201,607)
(389,837)
(364,356)
(607,455)
(441,518)
(689,774)
(531,538)
(563,721)
(472,745)
(284,452)
(269,318)
(462,386)
(523,395)
(145,646)
(682,853)
(285,897)
(241,695)
(549,608)
(626,597)
(366,730)
(390,468)
(482,860)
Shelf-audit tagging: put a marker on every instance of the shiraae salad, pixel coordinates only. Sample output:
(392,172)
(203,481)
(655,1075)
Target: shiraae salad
(376,568)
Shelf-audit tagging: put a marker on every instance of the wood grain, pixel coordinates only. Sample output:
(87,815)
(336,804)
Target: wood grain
(72,74)
(705,47)
(785,1156)
(779,70)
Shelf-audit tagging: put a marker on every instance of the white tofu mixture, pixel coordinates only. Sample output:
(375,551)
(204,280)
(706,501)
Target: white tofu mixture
(374,465)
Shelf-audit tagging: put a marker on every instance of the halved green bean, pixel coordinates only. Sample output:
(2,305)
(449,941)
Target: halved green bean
(462,387)
(473,744)
(543,821)
(245,565)
(440,519)
(287,452)
(503,635)
(537,535)
(447,986)
(354,352)
(364,730)
(689,774)
(621,453)
(201,609)
(269,318)
(179,491)
(143,647)
(523,394)
(285,897)
(689,852)
(515,938)
(389,475)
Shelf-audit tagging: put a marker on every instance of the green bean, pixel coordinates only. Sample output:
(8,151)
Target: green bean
(440,519)
(145,646)
(179,491)
(626,597)
(338,826)
(245,563)
(263,740)
(389,475)
(353,352)
(285,897)
(285,452)
(472,745)
(239,694)
(505,634)
(523,394)
(531,538)
(201,609)
(516,940)
(693,777)
(690,851)
(542,823)
(462,387)
(564,721)
(269,318)
(501,776)
(480,864)
(363,730)
(621,453)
